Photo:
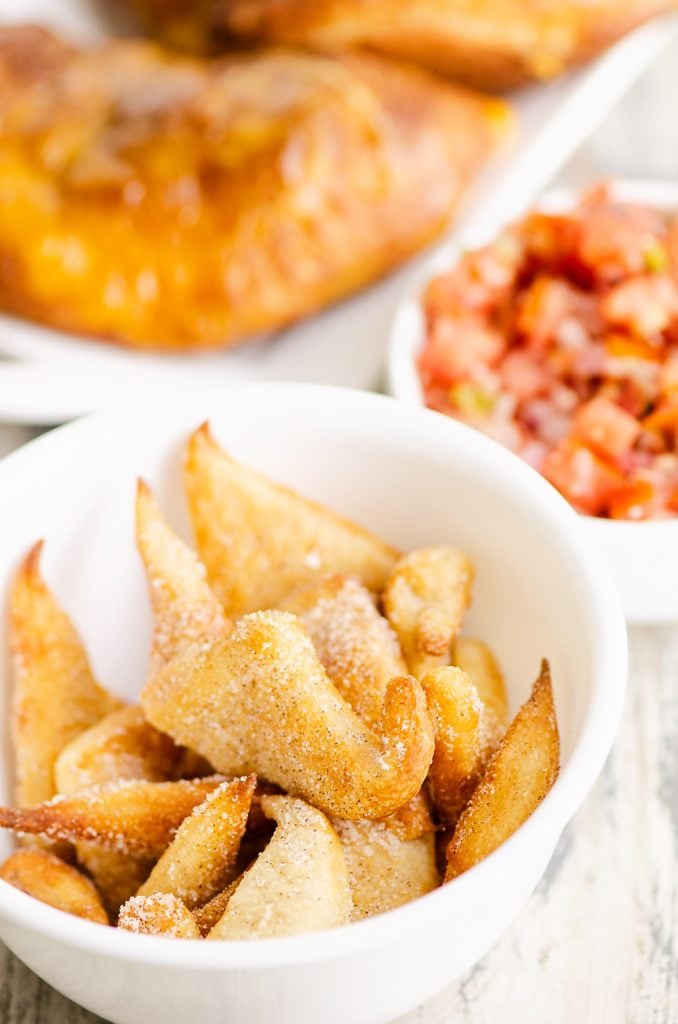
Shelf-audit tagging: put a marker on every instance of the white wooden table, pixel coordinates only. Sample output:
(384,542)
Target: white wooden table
(598,943)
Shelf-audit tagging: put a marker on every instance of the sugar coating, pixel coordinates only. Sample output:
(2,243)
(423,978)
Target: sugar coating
(160,914)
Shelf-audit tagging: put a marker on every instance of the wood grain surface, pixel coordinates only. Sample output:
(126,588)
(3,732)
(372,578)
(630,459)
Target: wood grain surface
(597,944)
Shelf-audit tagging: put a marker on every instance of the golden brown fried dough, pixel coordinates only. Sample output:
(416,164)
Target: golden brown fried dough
(199,861)
(260,541)
(411,820)
(356,645)
(128,817)
(260,701)
(491,44)
(160,914)
(185,609)
(50,880)
(477,660)
(298,884)
(207,916)
(117,876)
(518,777)
(123,746)
(385,871)
(170,203)
(425,598)
(55,695)
(460,753)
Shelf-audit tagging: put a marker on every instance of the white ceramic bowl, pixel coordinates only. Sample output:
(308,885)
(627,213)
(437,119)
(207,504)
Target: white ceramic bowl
(643,557)
(416,478)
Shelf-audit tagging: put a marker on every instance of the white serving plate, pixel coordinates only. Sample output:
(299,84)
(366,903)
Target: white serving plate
(643,557)
(47,377)
(415,477)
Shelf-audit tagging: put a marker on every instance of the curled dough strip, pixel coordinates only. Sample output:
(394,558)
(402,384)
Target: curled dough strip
(298,884)
(260,701)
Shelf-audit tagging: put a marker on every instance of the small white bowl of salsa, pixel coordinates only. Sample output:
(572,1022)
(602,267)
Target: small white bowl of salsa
(557,335)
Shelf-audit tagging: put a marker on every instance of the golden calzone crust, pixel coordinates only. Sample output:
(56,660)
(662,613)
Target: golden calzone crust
(169,202)
(490,44)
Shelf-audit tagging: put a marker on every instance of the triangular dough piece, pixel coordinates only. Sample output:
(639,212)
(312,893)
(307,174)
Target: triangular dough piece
(259,541)
(186,610)
(298,884)
(55,694)
(128,817)
(199,861)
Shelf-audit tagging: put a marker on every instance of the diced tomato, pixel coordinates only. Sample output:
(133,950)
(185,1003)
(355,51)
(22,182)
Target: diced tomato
(454,346)
(606,428)
(479,281)
(668,376)
(588,363)
(613,240)
(621,346)
(630,395)
(547,239)
(588,482)
(638,499)
(545,305)
(663,423)
(644,306)
(523,375)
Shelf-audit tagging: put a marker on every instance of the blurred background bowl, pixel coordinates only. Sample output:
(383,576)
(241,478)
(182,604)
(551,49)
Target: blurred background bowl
(642,556)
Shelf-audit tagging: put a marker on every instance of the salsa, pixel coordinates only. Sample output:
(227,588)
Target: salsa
(559,339)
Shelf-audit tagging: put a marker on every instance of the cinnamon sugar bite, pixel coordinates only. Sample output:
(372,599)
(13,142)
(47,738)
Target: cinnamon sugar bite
(340,772)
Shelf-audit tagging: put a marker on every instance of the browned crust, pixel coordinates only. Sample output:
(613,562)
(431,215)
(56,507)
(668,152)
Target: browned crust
(519,775)
(30,53)
(307,178)
(129,817)
(475,44)
(47,878)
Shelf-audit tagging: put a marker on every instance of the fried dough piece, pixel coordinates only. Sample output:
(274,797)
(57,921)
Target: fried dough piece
(518,777)
(128,817)
(199,861)
(298,884)
(384,871)
(260,541)
(207,916)
(186,610)
(460,753)
(55,695)
(170,203)
(117,876)
(425,598)
(123,746)
(477,660)
(260,701)
(490,44)
(411,820)
(46,877)
(358,648)
(160,914)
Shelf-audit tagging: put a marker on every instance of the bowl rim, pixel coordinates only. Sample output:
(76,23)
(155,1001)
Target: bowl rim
(452,443)
(402,379)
